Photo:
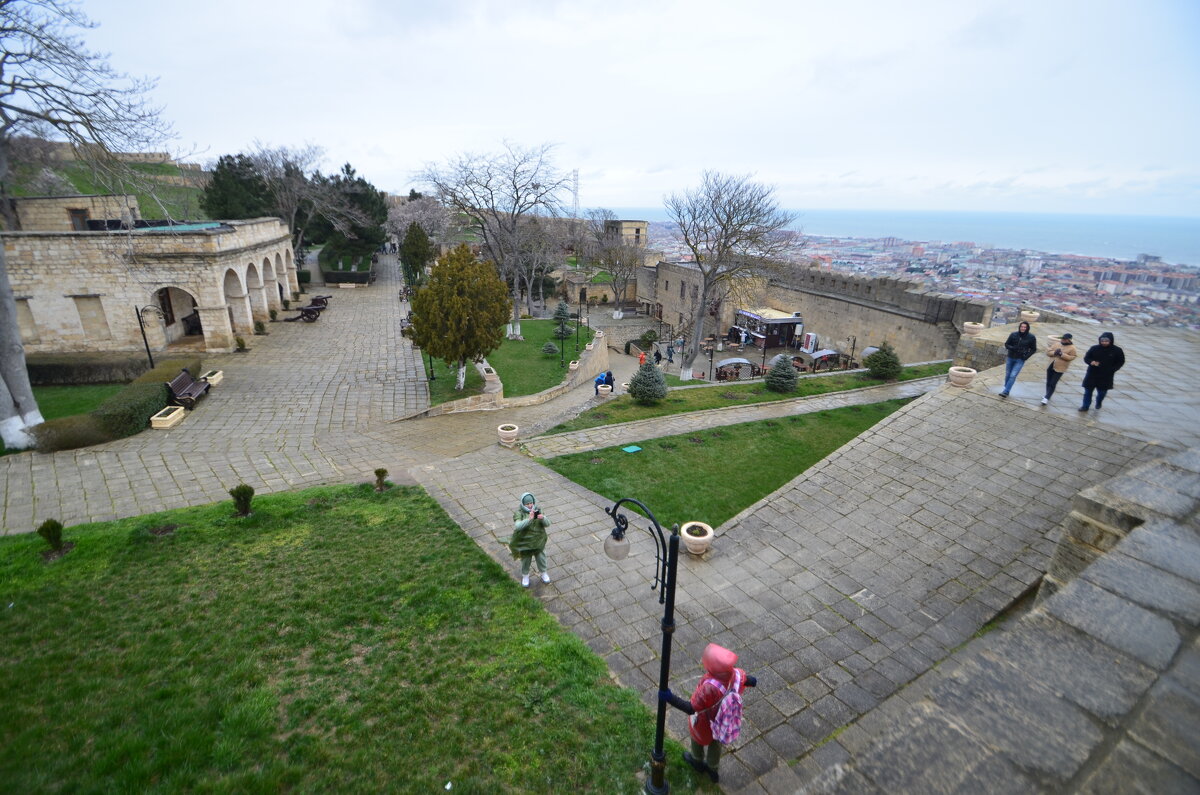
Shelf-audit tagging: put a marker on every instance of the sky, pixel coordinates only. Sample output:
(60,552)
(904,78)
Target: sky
(999,106)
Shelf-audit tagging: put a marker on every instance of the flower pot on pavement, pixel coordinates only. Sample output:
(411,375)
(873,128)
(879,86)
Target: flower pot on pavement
(962,376)
(589,346)
(604,389)
(697,537)
(574,365)
(1030,316)
(508,434)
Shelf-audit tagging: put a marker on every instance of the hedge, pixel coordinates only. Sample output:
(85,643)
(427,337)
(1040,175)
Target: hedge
(124,414)
(54,369)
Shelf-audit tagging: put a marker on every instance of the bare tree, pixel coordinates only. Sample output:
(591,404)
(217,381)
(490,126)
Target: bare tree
(299,192)
(425,212)
(50,81)
(544,244)
(496,192)
(733,227)
(615,255)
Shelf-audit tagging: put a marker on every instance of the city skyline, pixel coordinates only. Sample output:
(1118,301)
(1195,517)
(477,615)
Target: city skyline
(934,105)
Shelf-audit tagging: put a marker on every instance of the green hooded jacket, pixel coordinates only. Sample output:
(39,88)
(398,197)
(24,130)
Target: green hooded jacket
(529,534)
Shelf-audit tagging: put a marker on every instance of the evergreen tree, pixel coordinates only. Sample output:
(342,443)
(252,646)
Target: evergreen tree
(458,317)
(782,376)
(415,253)
(562,311)
(550,349)
(648,385)
(884,363)
(236,190)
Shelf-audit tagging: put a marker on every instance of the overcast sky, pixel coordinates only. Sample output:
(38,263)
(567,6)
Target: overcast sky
(1013,105)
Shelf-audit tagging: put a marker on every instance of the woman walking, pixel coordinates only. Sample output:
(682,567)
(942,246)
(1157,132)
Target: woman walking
(1102,360)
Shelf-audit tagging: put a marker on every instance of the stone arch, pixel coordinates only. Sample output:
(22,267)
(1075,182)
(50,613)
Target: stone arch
(237,302)
(257,293)
(271,285)
(293,280)
(180,312)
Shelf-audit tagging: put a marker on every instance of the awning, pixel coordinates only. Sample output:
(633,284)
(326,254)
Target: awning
(734,360)
(821,354)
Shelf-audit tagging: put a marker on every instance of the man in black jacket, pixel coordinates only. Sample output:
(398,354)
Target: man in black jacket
(1021,344)
(1102,360)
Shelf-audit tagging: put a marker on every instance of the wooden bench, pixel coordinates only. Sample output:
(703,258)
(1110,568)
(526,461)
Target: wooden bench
(185,390)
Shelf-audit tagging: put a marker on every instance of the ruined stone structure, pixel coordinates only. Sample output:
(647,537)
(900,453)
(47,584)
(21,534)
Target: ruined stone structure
(83,291)
(71,213)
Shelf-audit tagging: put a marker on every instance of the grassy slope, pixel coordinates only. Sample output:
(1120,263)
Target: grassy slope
(336,640)
(680,401)
(711,475)
(63,401)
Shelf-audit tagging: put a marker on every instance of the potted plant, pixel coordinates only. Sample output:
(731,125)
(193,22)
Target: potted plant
(962,376)
(574,365)
(604,389)
(508,434)
(972,329)
(1029,316)
(697,537)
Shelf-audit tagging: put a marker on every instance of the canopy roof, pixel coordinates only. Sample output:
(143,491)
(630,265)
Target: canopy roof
(763,313)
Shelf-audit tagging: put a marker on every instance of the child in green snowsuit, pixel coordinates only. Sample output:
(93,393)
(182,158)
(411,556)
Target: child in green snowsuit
(528,540)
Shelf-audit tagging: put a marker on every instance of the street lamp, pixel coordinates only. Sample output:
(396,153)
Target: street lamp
(562,342)
(666,566)
(853,340)
(432,372)
(142,326)
(708,348)
(578,323)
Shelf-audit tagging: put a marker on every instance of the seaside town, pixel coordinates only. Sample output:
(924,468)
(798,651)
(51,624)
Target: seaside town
(1145,292)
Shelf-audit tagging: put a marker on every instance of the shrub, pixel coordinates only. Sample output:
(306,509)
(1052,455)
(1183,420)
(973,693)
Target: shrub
(272,314)
(564,331)
(128,412)
(648,385)
(239,343)
(884,363)
(260,328)
(287,304)
(303,276)
(647,340)
(549,348)
(242,495)
(167,369)
(781,377)
(562,311)
(380,475)
(51,530)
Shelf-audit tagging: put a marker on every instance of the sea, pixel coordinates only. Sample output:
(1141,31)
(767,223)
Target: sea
(1176,239)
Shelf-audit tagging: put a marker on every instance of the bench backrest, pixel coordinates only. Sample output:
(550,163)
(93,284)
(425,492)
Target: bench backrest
(181,382)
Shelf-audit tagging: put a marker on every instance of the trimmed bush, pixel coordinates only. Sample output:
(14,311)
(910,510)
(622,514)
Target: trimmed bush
(781,377)
(884,363)
(164,371)
(129,411)
(564,332)
(260,328)
(648,385)
(549,348)
(242,495)
(380,479)
(303,276)
(69,433)
(51,530)
(52,369)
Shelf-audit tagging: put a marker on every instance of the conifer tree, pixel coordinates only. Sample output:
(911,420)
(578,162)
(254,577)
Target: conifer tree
(648,385)
(782,376)
(884,363)
(459,316)
(415,253)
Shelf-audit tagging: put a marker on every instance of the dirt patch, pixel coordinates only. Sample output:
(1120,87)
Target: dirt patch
(597,461)
(51,555)
(163,530)
(696,440)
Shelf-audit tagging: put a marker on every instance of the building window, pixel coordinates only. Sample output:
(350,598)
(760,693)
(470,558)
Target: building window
(79,219)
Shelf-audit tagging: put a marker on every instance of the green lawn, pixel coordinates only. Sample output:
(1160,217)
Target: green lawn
(63,401)
(522,366)
(441,389)
(337,640)
(679,401)
(709,476)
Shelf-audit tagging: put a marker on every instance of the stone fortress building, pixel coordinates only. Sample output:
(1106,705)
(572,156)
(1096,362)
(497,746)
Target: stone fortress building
(85,268)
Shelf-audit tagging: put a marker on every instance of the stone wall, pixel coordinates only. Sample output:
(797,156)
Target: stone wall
(53,213)
(80,291)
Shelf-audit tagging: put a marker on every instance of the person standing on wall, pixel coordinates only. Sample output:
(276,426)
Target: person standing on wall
(1102,360)
(1020,345)
(1061,355)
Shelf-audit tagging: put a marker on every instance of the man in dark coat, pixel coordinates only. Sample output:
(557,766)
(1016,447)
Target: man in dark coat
(1102,360)
(1020,345)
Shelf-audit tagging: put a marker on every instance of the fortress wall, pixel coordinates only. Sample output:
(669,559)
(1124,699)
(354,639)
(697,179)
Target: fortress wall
(921,325)
(52,213)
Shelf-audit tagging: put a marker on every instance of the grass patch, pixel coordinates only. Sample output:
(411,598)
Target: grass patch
(67,401)
(711,475)
(522,366)
(180,202)
(337,640)
(441,389)
(680,401)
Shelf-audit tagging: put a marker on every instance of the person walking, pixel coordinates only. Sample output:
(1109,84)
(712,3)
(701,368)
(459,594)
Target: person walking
(1102,360)
(715,708)
(528,541)
(1061,355)
(612,382)
(641,358)
(600,381)
(657,357)
(1021,344)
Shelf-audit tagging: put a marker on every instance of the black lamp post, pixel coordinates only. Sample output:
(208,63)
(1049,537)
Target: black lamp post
(142,326)
(432,373)
(853,340)
(562,342)
(708,348)
(578,323)
(666,566)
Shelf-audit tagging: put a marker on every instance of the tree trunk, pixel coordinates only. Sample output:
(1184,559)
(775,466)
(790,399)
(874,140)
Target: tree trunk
(461,381)
(18,408)
(692,351)
(514,328)
(528,295)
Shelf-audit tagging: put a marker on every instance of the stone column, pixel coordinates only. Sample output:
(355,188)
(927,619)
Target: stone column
(258,303)
(218,331)
(241,316)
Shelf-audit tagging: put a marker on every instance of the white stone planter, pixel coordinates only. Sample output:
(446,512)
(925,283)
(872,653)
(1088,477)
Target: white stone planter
(972,329)
(1030,316)
(347,285)
(962,376)
(589,346)
(508,434)
(573,366)
(604,389)
(599,334)
(213,377)
(168,417)
(696,544)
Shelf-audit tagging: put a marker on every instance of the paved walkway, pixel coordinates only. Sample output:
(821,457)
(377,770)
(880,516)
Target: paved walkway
(837,589)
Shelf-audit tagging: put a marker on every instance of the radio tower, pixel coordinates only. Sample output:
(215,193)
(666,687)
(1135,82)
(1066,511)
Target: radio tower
(575,195)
